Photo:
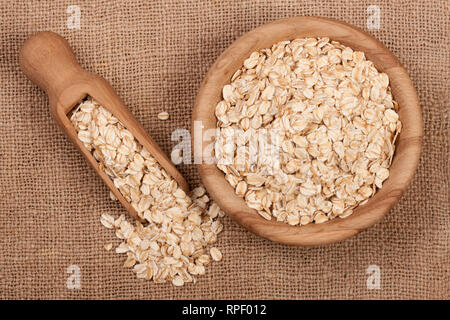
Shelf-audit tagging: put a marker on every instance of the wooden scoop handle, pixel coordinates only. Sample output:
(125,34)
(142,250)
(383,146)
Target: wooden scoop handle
(47,59)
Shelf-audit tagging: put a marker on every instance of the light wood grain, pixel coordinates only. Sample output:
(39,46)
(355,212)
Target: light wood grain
(47,59)
(408,146)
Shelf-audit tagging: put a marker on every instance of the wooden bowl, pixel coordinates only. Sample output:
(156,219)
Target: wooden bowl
(408,147)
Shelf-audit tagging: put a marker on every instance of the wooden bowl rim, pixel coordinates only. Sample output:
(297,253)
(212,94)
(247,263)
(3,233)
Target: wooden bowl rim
(409,140)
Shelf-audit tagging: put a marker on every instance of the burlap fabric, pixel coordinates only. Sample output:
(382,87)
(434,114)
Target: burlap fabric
(155,55)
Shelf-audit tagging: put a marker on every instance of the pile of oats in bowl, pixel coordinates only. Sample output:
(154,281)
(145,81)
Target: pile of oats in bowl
(307,131)
(175,242)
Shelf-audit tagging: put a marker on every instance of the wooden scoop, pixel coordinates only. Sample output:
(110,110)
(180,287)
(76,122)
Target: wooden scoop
(47,59)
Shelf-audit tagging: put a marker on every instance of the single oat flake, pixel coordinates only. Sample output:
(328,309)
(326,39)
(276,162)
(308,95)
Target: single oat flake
(163,115)
(307,131)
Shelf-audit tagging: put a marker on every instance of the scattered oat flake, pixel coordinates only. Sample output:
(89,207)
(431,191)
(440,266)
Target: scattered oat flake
(163,115)
(178,281)
(112,196)
(216,255)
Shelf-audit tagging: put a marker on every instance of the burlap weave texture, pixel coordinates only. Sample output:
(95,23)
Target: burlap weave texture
(155,54)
